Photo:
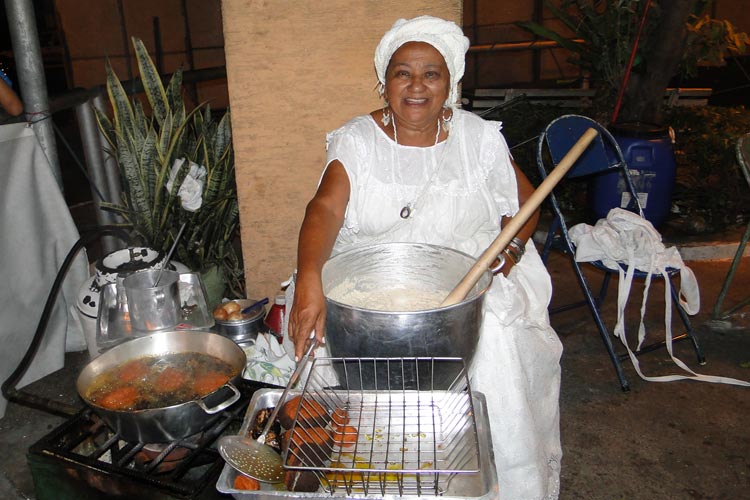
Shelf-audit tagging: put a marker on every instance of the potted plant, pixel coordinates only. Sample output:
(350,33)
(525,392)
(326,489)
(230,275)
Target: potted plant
(177,174)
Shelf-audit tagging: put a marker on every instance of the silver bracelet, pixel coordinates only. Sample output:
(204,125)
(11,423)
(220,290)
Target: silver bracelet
(515,249)
(518,245)
(500,263)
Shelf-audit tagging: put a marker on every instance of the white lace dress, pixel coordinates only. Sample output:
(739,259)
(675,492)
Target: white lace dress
(457,191)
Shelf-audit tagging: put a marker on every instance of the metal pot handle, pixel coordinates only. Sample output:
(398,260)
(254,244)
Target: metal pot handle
(224,404)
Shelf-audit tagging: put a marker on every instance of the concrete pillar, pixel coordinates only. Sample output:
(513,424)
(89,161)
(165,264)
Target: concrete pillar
(297,69)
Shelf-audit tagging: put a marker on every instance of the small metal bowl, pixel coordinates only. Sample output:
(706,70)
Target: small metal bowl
(245,329)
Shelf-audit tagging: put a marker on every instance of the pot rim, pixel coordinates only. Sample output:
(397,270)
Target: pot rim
(357,249)
(143,340)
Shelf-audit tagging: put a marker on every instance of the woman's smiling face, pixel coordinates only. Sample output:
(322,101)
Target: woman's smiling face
(417,84)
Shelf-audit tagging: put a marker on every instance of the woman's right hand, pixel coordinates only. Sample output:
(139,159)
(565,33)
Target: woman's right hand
(308,313)
(323,219)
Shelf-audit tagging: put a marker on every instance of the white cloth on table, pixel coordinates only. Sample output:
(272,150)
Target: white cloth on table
(470,185)
(38,232)
(267,361)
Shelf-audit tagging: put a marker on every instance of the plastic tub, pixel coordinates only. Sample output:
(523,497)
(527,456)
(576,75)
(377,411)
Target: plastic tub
(650,157)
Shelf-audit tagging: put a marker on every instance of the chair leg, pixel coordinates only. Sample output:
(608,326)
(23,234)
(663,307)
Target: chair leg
(717,312)
(603,289)
(603,332)
(686,321)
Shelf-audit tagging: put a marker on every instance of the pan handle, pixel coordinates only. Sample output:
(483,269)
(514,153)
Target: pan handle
(224,404)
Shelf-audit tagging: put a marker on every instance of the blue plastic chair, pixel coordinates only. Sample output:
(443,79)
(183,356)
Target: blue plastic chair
(602,156)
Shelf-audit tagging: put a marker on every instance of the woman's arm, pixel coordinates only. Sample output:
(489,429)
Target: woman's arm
(323,219)
(525,190)
(9,101)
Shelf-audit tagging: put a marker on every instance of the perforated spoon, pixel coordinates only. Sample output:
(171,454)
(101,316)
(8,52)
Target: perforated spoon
(253,457)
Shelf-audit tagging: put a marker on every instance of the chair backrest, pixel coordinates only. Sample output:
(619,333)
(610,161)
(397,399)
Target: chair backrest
(602,156)
(562,133)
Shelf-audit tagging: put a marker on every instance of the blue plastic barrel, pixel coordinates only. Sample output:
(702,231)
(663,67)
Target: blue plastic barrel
(650,157)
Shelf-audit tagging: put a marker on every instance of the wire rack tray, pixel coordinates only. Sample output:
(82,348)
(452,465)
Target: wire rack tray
(382,425)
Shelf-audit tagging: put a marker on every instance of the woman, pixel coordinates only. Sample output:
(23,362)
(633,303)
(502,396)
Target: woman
(422,170)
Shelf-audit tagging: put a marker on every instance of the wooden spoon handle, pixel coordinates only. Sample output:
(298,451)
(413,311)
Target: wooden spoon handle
(516,223)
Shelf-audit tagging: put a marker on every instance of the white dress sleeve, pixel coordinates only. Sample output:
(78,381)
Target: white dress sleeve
(348,147)
(501,179)
(485,147)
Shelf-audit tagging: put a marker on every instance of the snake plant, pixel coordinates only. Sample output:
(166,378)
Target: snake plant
(146,147)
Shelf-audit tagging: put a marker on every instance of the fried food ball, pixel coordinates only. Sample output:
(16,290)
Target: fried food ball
(208,382)
(345,436)
(122,398)
(235,316)
(242,482)
(231,307)
(136,369)
(220,314)
(311,446)
(339,418)
(169,380)
(311,413)
(300,480)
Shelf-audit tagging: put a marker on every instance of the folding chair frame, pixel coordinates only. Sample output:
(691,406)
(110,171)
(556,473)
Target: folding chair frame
(743,159)
(564,131)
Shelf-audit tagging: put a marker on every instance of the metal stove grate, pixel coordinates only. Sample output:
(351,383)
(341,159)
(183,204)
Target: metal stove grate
(83,457)
(399,426)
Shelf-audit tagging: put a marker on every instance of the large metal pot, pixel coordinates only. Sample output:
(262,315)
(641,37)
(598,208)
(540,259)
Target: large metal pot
(441,332)
(156,425)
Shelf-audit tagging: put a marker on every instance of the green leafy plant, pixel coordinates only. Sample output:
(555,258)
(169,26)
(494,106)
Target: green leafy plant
(149,150)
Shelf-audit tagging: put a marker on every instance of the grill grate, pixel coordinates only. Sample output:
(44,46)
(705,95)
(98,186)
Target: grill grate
(394,429)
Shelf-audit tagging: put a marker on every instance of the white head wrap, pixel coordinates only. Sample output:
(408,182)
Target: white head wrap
(445,36)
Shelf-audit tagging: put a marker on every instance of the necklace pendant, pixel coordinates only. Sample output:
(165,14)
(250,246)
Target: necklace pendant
(405,212)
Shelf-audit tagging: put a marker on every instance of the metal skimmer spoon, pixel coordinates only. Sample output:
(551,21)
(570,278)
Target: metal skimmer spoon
(253,457)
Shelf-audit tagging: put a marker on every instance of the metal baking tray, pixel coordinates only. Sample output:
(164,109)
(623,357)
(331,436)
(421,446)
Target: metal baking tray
(113,323)
(392,458)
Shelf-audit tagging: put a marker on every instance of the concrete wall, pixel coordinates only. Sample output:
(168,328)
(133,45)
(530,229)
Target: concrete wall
(296,69)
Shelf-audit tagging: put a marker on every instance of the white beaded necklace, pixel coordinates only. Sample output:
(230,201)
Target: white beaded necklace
(406,210)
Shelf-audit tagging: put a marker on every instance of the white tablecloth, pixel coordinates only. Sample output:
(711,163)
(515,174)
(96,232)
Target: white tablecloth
(37,231)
